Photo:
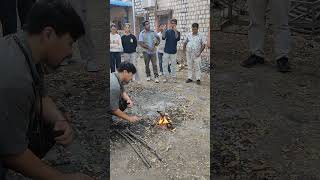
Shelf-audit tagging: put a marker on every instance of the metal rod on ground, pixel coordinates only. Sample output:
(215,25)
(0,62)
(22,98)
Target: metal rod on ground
(146,163)
(138,147)
(142,141)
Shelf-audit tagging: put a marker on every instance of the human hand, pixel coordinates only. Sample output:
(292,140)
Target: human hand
(133,119)
(64,132)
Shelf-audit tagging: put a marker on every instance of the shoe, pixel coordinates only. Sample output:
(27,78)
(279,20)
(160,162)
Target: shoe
(160,74)
(198,82)
(188,80)
(251,61)
(164,80)
(156,80)
(174,80)
(148,78)
(283,65)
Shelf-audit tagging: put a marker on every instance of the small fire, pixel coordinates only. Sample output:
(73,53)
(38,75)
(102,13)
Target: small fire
(164,121)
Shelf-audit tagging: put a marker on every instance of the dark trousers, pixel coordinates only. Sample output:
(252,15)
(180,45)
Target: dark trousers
(147,58)
(24,7)
(8,14)
(115,60)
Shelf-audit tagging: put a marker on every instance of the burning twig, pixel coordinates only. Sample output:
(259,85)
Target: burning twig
(143,142)
(136,149)
(164,121)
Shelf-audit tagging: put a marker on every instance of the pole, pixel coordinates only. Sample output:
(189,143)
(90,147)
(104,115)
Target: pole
(133,17)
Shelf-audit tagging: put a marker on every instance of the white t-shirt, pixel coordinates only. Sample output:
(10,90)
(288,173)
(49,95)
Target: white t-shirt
(162,43)
(115,43)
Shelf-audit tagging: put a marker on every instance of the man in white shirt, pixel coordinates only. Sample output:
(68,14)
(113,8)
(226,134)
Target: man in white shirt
(195,43)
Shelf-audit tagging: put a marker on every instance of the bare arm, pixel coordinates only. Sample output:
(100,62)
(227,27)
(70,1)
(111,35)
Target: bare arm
(50,112)
(202,48)
(121,115)
(31,166)
(126,96)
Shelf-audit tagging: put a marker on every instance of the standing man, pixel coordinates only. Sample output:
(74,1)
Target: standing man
(148,40)
(257,29)
(195,43)
(119,99)
(86,46)
(30,122)
(115,48)
(172,36)
(8,14)
(129,44)
(160,50)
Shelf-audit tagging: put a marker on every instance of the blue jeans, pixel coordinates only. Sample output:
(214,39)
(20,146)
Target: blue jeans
(160,55)
(115,60)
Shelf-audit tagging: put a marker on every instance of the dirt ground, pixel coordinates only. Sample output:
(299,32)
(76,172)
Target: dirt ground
(265,124)
(185,151)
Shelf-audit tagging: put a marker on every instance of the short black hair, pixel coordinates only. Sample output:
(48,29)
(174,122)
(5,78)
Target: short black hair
(174,20)
(58,14)
(125,65)
(195,25)
(113,25)
(144,23)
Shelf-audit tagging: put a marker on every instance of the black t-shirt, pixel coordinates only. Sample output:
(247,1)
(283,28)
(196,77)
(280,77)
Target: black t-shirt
(171,41)
(129,43)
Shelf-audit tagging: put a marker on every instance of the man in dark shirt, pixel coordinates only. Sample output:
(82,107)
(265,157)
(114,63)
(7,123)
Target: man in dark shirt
(172,36)
(129,44)
(30,122)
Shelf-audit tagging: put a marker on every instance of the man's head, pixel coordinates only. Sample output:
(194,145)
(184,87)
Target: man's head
(161,27)
(146,25)
(195,27)
(173,23)
(126,70)
(113,28)
(57,26)
(127,27)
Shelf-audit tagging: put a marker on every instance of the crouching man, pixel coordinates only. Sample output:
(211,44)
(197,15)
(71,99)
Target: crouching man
(119,99)
(30,122)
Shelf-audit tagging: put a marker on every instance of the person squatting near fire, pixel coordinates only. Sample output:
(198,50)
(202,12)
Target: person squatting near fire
(162,28)
(86,45)
(148,40)
(30,122)
(172,36)
(129,44)
(119,98)
(115,48)
(194,45)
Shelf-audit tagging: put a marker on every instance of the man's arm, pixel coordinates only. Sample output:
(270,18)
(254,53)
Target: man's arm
(121,115)
(135,42)
(31,166)
(53,115)
(185,43)
(177,35)
(203,46)
(164,35)
(50,112)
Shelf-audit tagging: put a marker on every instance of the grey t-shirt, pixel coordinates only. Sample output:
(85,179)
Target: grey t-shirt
(17,104)
(116,90)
